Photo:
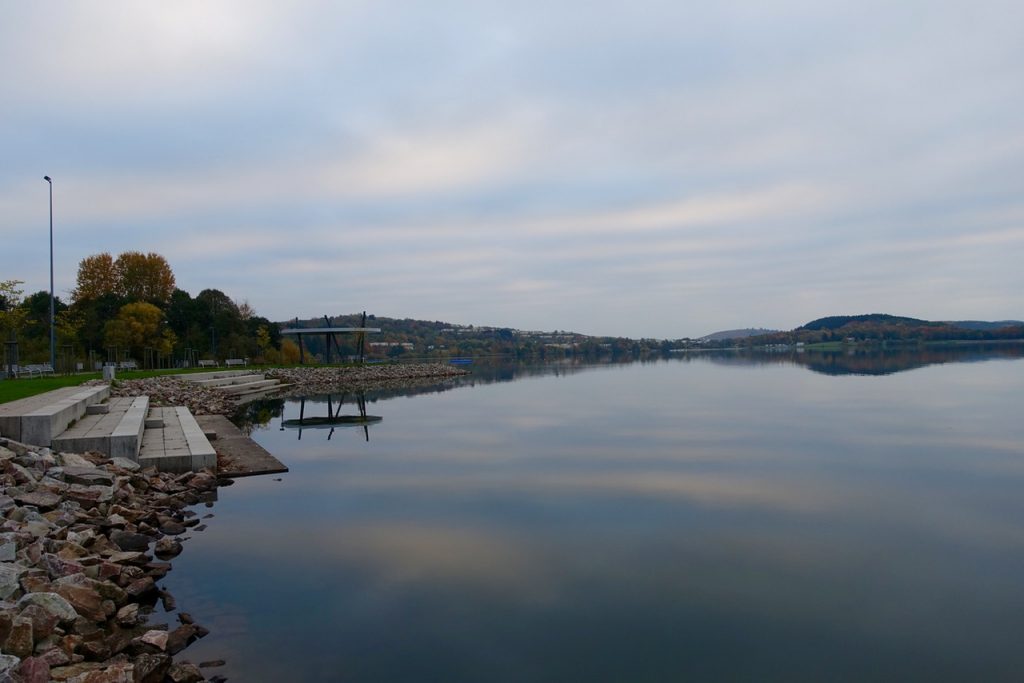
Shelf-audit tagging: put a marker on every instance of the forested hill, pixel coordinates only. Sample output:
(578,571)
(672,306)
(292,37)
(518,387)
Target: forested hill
(836,322)
(737,334)
(880,326)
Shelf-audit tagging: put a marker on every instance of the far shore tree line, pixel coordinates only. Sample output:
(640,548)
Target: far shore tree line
(128,308)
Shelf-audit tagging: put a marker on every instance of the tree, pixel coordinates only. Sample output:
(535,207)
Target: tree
(94,314)
(96,277)
(37,314)
(12,314)
(289,352)
(137,326)
(144,277)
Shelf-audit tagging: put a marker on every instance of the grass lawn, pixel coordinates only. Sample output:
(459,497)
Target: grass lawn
(13,389)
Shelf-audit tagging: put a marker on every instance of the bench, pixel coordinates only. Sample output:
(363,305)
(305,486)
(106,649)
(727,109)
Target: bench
(127,365)
(37,370)
(236,361)
(207,364)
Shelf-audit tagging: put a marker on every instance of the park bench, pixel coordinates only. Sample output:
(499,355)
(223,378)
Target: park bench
(127,365)
(207,363)
(35,370)
(236,361)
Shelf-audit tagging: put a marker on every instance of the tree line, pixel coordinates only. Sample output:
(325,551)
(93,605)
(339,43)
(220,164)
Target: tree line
(129,308)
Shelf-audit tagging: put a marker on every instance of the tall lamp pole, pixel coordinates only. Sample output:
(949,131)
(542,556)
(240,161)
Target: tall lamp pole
(53,337)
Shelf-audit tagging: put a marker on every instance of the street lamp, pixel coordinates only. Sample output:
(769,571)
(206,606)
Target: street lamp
(53,337)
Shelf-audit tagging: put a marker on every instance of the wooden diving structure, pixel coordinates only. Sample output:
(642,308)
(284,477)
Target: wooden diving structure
(328,332)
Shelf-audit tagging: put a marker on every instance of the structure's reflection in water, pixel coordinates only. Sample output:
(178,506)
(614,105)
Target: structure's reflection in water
(334,417)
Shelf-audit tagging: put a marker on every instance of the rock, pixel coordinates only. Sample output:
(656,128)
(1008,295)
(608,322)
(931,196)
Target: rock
(19,642)
(140,588)
(155,638)
(184,672)
(105,589)
(85,599)
(180,638)
(172,528)
(42,621)
(73,460)
(129,557)
(44,500)
(168,601)
(121,672)
(34,670)
(6,622)
(87,476)
(203,481)
(55,657)
(53,604)
(151,668)
(8,664)
(89,496)
(58,567)
(129,615)
(167,547)
(96,650)
(126,464)
(10,576)
(126,540)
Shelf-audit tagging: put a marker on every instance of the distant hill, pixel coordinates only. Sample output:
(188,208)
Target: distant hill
(737,334)
(884,327)
(837,322)
(985,325)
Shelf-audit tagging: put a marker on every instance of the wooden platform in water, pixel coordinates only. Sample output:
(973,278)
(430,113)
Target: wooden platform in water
(240,456)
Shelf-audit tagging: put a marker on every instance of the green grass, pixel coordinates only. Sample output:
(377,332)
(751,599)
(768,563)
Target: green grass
(13,389)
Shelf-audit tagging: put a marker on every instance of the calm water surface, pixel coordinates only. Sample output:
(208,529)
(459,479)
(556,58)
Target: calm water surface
(698,519)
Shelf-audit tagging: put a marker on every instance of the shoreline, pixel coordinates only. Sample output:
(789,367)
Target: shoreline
(84,539)
(172,390)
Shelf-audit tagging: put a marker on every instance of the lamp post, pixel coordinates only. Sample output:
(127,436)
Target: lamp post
(53,337)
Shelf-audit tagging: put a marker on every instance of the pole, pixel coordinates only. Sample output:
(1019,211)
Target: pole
(53,337)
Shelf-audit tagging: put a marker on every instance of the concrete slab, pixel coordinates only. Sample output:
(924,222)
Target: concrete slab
(240,456)
(116,433)
(249,387)
(221,382)
(38,419)
(218,374)
(179,445)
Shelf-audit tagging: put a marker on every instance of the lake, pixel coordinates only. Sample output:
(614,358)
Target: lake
(777,517)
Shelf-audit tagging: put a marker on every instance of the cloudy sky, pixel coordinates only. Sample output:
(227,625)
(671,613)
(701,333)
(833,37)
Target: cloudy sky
(644,168)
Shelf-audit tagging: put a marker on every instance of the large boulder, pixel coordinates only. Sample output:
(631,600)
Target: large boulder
(51,602)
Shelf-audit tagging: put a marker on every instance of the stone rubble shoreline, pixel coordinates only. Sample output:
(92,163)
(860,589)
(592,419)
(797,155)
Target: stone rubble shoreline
(171,390)
(311,381)
(83,542)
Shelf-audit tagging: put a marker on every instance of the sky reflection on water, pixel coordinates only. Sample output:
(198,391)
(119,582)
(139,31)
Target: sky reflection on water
(641,522)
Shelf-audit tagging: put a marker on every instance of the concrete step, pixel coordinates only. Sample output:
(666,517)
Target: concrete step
(219,374)
(179,445)
(116,433)
(250,387)
(39,419)
(221,382)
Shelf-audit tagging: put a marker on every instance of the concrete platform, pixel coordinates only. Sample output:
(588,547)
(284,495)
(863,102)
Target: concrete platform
(116,433)
(221,378)
(255,385)
(38,419)
(179,445)
(240,456)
